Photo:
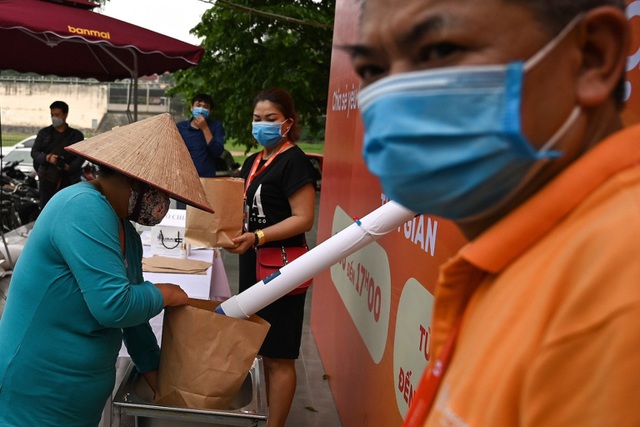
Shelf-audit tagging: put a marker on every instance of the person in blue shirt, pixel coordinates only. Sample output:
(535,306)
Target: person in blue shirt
(203,136)
(77,289)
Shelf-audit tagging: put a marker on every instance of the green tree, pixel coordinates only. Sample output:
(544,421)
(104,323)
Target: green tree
(254,44)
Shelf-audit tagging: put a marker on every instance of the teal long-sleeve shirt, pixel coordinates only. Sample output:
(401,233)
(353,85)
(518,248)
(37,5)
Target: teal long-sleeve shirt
(71,297)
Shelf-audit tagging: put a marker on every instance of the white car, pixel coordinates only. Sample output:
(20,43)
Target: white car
(25,143)
(22,156)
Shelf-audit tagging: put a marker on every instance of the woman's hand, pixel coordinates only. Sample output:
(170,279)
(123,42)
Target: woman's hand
(242,243)
(152,380)
(172,295)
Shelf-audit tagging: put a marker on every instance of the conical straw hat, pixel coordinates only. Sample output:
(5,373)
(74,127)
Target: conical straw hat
(152,151)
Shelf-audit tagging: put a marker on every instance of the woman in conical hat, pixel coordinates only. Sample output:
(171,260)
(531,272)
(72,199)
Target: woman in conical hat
(77,289)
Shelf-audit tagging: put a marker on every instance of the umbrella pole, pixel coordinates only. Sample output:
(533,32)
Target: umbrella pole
(134,76)
(133,82)
(129,99)
(133,92)
(135,98)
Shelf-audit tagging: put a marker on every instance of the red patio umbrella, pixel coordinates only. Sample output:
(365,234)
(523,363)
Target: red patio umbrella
(66,38)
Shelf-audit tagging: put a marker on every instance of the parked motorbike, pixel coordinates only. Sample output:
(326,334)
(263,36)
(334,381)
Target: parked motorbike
(11,171)
(18,198)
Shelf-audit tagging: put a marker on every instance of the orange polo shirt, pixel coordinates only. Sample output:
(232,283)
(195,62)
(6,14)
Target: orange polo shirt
(551,330)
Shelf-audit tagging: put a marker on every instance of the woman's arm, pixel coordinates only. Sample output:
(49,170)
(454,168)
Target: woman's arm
(302,204)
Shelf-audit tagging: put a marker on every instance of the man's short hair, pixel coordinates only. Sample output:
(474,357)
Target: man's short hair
(61,105)
(556,14)
(203,97)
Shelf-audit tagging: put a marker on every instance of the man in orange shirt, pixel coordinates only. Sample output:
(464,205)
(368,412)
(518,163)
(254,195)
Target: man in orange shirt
(504,117)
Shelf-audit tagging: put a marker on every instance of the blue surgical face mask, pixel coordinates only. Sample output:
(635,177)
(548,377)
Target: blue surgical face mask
(200,111)
(449,142)
(268,134)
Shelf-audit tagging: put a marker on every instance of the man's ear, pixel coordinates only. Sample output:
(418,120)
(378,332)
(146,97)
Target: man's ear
(605,46)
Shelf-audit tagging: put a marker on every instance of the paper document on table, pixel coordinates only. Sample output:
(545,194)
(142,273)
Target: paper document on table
(161,264)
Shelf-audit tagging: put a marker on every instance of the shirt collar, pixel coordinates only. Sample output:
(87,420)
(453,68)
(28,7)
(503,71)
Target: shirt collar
(511,236)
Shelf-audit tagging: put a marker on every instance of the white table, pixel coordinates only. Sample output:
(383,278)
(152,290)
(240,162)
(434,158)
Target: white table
(195,285)
(213,285)
(199,286)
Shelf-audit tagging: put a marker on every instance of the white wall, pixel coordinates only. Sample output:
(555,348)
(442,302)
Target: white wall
(27,103)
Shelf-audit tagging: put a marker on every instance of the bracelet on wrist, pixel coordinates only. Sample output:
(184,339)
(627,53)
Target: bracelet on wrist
(259,237)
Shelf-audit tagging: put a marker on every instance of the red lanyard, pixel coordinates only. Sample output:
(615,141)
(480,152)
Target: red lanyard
(428,388)
(254,168)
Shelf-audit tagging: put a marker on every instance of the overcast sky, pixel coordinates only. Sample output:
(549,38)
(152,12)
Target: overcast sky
(173,18)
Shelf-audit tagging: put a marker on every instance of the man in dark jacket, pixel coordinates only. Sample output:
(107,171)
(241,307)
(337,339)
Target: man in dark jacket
(56,168)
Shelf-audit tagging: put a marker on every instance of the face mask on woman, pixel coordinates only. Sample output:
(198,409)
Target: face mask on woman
(148,206)
(268,134)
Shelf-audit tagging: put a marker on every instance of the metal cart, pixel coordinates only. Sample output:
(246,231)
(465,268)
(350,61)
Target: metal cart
(134,398)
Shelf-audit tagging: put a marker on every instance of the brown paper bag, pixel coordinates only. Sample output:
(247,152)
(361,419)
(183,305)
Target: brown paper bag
(205,356)
(226,196)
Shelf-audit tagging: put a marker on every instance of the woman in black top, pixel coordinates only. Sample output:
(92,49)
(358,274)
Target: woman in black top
(280,208)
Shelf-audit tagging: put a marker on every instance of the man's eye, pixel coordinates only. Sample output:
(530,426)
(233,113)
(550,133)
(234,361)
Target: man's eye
(369,73)
(437,52)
